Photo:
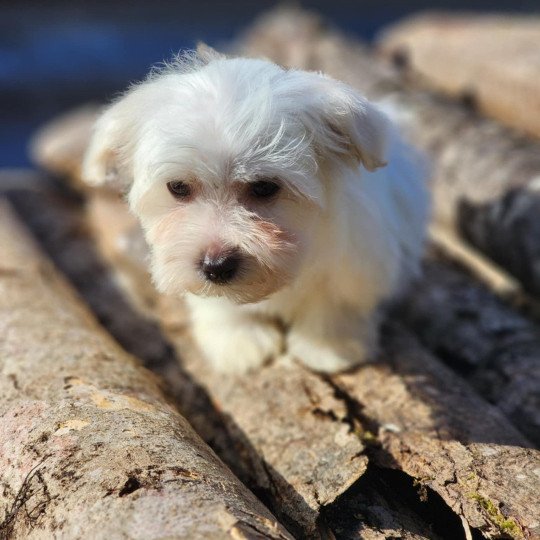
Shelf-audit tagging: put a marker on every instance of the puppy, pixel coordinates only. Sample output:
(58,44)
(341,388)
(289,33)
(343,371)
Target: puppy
(280,203)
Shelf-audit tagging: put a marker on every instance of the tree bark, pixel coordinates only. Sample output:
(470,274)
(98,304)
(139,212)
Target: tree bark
(330,457)
(89,448)
(490,61)
(433,427)
(296,430)
(485,177)
(408,412)
(494,347)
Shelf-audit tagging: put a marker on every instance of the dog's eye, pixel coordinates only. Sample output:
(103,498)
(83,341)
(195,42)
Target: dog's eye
(179,190)
(263,189)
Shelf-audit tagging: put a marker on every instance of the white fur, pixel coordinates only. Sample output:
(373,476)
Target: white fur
(344,233)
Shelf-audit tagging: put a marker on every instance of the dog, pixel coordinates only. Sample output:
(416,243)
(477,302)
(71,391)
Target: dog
(280,203)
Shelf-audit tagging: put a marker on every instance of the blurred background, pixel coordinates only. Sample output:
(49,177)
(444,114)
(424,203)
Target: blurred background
(57,54)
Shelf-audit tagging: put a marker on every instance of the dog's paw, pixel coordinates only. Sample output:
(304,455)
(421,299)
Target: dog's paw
(242,348)
(329,358)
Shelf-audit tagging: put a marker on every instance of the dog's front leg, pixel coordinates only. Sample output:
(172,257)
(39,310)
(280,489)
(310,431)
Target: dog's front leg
(331,338)
(231,337)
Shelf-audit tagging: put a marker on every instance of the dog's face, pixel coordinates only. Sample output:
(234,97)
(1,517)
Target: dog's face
(224,162)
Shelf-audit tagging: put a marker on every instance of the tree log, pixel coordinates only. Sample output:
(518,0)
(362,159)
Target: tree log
(434,428)
(89,448)
(329,463)
(490,60)
(485,177)
(408,412)
(410,400)
(59,145)
(493,346)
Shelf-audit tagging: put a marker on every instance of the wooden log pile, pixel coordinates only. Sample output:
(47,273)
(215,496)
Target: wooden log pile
(89,446)
(437,439)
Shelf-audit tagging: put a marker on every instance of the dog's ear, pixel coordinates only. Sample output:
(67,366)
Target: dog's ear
(108,158)
(208,54)
(346,124)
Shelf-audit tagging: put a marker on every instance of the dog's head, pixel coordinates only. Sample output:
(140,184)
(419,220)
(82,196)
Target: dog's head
(222,160)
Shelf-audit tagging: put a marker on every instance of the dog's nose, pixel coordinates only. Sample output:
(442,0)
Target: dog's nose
(220,268)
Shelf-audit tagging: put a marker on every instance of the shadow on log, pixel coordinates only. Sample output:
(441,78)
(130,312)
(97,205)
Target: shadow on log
(88,445)
(495,348)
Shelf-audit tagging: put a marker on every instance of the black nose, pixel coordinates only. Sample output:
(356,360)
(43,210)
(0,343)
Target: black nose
(221,268)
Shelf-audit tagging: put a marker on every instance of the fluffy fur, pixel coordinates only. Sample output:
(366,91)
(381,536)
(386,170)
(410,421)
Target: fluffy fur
(344,233)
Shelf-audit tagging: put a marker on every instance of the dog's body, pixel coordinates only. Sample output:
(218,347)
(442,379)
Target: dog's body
(267,201)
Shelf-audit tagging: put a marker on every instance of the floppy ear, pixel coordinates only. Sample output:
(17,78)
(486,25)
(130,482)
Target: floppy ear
(107,161)
(348,124)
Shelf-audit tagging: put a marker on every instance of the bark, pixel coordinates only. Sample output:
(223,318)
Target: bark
(303,438)
(433,427)
(409,412)
(494,347)
(490,60)
(89,447)
(324,440)
(485,177)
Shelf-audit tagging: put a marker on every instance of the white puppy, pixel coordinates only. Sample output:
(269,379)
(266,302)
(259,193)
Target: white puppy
(279,202)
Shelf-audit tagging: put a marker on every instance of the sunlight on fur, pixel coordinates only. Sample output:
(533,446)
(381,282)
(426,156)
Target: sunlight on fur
(266,195)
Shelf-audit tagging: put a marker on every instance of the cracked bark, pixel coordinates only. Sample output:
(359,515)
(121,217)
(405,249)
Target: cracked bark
(432,426)
(302,448)
(499,215)
(283,432)
(88,445)
(428,422)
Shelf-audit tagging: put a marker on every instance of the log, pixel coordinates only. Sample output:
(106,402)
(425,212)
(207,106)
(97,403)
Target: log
(331,457)
(485,177)
(59,145)
(463,443)
(406,401)
(433,427)
(496,348)
(489,60)
(89,447)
